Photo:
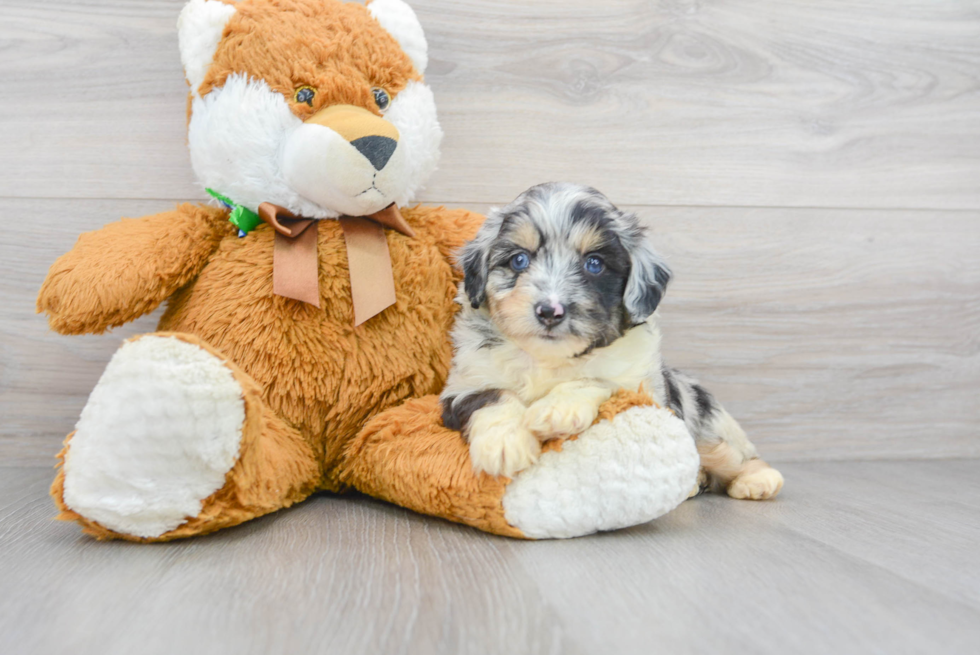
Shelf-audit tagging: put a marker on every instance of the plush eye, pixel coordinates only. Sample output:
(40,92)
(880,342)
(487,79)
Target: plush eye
(305,94)
(381,98)
(594,264)
(520,261)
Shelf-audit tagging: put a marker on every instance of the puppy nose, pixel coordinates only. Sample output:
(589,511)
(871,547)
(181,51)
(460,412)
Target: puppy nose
(549,314)
(377,149)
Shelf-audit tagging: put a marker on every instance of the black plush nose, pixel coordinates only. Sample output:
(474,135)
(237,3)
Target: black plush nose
(377,149)
(549,314)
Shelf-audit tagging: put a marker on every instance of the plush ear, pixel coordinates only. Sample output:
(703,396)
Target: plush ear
(199,29)
(648,278)
(400,21)
(474,259)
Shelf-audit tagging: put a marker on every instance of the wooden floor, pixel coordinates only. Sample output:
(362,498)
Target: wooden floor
(856,557)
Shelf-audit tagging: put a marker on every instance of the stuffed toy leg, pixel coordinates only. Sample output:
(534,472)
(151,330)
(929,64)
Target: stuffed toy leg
(635,463)
(177,441)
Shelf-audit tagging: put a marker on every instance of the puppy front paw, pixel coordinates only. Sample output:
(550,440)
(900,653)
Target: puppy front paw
(503,448)
(559,417)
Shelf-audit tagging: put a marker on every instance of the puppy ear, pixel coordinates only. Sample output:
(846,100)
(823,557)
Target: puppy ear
(474,259)
(648,277)
(474,263)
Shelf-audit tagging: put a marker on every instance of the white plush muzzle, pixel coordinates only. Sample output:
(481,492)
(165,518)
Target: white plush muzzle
(247,144)
(325,168)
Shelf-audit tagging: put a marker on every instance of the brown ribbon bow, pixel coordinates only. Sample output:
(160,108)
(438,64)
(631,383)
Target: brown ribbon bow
(295,266)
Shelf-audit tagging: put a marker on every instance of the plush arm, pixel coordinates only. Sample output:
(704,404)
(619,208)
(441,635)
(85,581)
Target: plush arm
(127,268)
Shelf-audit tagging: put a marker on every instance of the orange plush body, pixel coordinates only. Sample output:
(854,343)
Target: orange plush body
(246,401)
(313,378)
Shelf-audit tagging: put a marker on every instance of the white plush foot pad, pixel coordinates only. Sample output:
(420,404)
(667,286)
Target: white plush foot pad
(618,473)
(157,436)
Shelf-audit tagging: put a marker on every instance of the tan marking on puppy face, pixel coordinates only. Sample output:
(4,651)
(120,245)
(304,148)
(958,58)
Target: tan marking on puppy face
(586,238)
(336,48)
(525,235)
(509,309)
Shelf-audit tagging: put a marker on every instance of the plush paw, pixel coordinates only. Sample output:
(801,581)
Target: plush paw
(157,436)
(629,469)
(760,484)
(559,417)
(503,448)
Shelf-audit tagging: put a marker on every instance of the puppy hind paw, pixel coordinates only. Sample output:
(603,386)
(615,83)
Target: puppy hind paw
(761,484)
(503,449)
(702,485)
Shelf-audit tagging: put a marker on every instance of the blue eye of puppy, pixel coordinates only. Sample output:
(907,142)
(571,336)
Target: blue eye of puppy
(594,264)
(520,261)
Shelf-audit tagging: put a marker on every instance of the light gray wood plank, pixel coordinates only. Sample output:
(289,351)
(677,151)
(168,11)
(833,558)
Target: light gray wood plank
(334,575)
(723,576)
(830,334)
(45,378)
(799,103)
(22,450)
(920,521)
(836,564)
(855,333)
(93,100)
(795,103)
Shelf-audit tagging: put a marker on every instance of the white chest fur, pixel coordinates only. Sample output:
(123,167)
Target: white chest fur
(627,363)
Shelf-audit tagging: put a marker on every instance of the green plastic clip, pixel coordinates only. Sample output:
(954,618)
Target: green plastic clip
(241,217)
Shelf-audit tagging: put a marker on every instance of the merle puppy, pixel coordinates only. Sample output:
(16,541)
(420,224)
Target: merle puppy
(557,314)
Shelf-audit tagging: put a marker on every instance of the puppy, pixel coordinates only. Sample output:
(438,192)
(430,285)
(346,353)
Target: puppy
(558,299)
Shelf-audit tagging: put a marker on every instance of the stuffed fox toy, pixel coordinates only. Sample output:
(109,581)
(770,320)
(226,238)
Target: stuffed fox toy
(308,308)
